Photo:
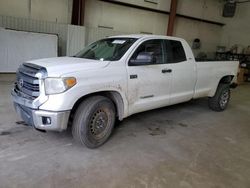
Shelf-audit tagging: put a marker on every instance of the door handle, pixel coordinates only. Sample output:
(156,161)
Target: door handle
(166,70)
(133,76)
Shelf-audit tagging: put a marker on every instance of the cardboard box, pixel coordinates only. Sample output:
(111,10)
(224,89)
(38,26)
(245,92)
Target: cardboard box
(241,78)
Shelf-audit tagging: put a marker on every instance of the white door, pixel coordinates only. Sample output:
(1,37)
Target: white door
(148,81)
(183,75)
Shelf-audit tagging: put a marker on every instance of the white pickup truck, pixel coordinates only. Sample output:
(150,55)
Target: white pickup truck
(113,78)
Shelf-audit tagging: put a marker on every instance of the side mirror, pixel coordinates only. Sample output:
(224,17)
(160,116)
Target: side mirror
(143,58)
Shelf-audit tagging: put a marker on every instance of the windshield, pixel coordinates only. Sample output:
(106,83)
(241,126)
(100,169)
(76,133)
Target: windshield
(110,49)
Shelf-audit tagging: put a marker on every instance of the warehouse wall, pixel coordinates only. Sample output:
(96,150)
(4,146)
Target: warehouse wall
(17,8)
(237,29)
(123,20)
(209,34)
(120,18)
(46,10)
(132,20)
(159,4)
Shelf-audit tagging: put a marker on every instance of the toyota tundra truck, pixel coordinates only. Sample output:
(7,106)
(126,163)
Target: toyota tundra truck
(114,78)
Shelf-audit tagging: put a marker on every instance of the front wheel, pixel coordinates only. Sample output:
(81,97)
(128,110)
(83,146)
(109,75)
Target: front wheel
(94,121)
(221,98)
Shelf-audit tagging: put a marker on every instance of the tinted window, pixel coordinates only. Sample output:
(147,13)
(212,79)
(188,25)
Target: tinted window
(175,52)
(154,47)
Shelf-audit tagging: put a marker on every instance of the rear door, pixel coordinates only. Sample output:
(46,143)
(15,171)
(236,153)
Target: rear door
(183,76)
(148,85)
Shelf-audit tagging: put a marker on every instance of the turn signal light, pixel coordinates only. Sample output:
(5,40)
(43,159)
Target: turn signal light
(70,82)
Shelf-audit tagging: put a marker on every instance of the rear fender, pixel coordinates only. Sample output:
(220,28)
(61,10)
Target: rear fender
(225,79)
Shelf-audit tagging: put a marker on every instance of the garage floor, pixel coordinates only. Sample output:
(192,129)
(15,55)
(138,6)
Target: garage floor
(184,146)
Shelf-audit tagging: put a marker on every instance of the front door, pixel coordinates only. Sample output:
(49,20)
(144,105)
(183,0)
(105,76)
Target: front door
(148,83)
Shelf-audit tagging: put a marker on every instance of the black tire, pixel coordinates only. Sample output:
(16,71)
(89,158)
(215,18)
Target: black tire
(94,121)
(221,98)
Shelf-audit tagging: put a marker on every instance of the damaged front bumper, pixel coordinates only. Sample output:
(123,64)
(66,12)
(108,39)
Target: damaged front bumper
(40,119)
(43,120)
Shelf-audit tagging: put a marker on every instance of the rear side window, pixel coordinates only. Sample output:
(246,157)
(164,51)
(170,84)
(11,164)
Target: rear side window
(175,51)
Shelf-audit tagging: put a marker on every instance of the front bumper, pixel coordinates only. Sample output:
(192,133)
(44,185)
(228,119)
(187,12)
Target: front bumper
(58,121)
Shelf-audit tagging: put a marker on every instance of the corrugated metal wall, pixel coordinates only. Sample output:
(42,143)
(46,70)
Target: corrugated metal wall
(95,33)
(24,24)
(17,47)
(75,40)
(70,38)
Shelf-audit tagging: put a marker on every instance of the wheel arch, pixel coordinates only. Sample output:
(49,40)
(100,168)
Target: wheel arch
(114,96)
(227,79)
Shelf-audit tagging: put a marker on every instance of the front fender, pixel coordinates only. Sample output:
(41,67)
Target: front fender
(65,101)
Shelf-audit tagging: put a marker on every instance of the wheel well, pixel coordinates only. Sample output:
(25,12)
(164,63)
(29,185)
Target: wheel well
(226,79)
(114,96)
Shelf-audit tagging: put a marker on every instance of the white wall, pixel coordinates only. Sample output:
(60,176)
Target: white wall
(206,9)
(50,10)
(131,20)
(237,29)
(125,20)
(75,39)
(161,4)
(46,10)
(17,47)
(16,8)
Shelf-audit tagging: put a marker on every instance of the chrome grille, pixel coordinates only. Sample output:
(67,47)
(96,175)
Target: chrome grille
(27,83)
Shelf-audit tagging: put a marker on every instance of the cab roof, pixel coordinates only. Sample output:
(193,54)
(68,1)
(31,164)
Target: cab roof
(145,36)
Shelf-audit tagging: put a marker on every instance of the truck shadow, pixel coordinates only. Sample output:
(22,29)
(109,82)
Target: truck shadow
(157,122)
(154,122)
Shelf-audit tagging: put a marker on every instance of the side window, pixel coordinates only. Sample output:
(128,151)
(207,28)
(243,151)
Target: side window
(152,47)
(175,51)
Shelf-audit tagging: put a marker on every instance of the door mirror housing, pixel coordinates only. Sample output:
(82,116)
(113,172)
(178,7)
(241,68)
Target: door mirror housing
(143,58)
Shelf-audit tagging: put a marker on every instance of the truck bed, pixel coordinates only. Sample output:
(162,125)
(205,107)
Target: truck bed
(208,73)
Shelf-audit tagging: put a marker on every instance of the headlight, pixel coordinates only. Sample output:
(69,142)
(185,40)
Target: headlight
(58,85)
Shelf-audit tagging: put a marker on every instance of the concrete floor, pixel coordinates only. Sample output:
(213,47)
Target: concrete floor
(182,146)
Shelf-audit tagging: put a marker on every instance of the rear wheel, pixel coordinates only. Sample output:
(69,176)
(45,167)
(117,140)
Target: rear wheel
(221,98)
(94,121)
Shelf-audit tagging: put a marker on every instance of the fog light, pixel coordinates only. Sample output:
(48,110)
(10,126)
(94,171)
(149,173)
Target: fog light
(46,120)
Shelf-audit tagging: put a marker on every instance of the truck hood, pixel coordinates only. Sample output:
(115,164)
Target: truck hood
(57,66)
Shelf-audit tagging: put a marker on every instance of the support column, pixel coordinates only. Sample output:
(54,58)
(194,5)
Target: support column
(78,12)
(172,16)
(83,13)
